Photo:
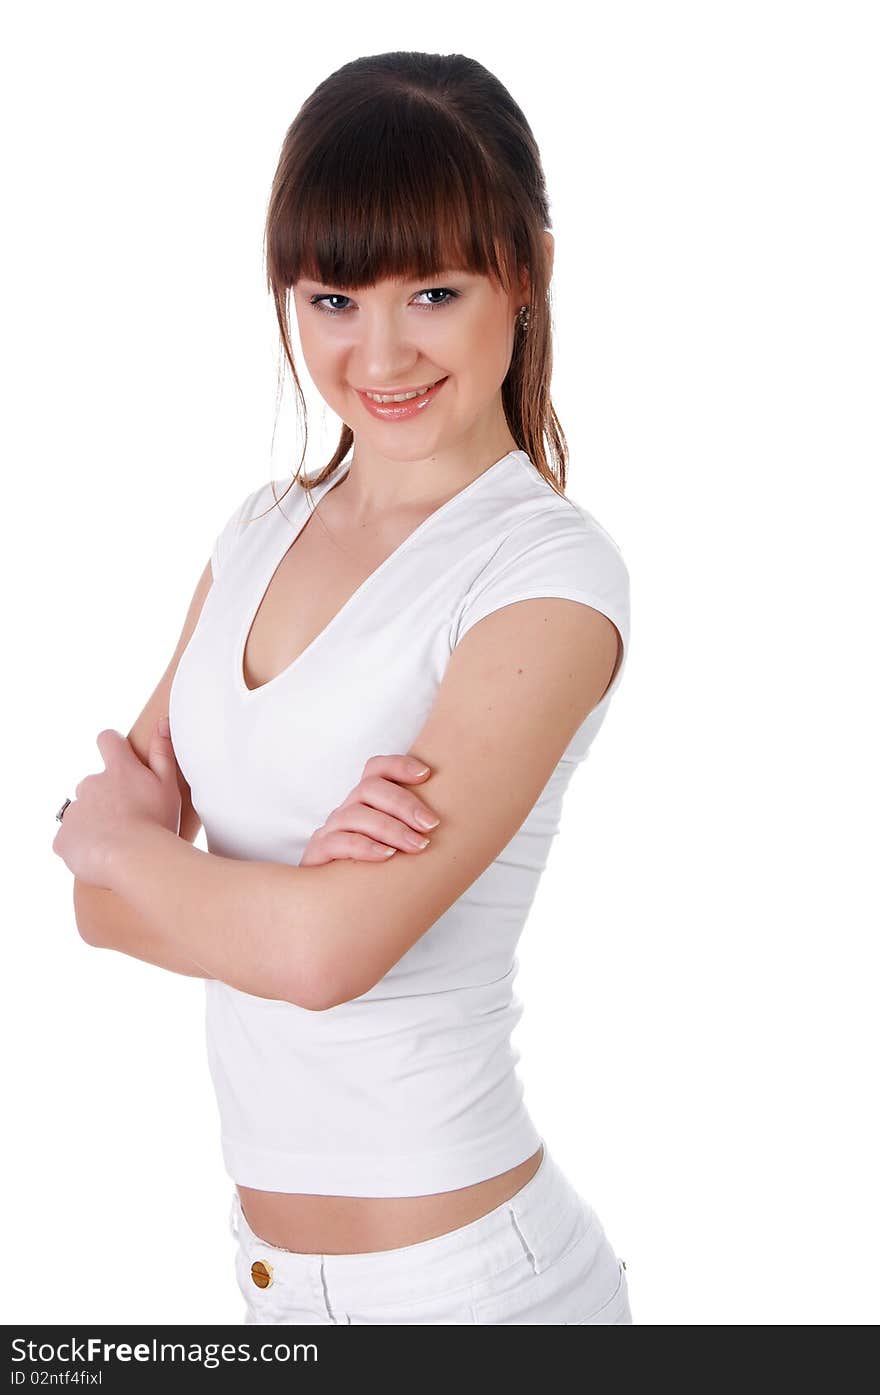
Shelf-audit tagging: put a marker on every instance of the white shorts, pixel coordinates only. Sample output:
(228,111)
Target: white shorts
(542,1256)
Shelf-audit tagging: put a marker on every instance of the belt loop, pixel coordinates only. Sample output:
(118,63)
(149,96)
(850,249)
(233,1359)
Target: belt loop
(539,1216)
(531,1240)
(325,1294)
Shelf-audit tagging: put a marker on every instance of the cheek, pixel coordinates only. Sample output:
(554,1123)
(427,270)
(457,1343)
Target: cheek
(324,356)
(487,368)
(476,349)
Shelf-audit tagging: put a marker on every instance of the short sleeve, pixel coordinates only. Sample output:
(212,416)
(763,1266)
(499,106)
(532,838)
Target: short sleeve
(564,553)
(225,539)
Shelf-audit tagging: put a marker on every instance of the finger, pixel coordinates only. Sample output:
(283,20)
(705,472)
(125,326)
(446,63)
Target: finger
(160,753)
(404,768)
(110,744)
(384,828)
(340,843)
(391,798)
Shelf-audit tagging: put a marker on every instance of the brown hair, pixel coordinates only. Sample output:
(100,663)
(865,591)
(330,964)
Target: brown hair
(401,164)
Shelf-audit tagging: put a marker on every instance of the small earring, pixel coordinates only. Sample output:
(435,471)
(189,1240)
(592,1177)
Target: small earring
(523,317)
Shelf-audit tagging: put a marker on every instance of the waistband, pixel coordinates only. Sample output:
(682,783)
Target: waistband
(541,1221)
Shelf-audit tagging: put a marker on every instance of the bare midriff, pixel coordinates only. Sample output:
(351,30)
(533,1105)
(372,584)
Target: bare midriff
(311,1224)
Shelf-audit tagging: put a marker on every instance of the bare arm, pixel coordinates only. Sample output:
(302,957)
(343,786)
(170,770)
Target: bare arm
(108,920)
(105,920)
(521,681)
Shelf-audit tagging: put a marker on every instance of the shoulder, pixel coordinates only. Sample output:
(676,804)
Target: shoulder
(548,545)
(247,511)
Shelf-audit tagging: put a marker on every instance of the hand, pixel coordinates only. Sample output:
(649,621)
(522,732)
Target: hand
(110,806)
(376,819)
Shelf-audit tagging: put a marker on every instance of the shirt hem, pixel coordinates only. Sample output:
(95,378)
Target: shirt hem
(412,1174)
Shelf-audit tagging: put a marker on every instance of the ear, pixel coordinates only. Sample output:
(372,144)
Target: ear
(525,279)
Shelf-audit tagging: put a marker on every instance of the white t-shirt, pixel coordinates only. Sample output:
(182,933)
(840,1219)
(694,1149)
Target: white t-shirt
(412,1087)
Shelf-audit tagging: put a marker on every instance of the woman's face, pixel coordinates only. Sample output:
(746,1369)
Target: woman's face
(405,334)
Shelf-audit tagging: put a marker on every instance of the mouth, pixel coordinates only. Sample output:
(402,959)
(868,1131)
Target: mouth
(397,406)
(396,394)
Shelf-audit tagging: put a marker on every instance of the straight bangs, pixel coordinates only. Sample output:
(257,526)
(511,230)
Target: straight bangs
(400,190)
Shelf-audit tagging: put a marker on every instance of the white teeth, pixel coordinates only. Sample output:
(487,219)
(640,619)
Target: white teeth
(400,396)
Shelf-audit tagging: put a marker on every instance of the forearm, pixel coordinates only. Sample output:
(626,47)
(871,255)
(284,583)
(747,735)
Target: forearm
(106,921)
(254,925)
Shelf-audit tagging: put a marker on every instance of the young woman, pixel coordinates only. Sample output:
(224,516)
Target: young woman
(433,593)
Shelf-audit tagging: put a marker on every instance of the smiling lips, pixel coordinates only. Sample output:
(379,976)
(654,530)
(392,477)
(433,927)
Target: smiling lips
(400,406)
(397,394)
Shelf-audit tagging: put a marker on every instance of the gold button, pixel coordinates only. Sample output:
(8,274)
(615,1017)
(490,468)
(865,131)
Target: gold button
(261,1273)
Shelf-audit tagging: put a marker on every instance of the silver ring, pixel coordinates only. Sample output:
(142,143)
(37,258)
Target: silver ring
(60,815)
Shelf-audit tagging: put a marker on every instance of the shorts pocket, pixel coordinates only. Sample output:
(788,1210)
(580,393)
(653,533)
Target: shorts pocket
(615,1310)
(575,1288)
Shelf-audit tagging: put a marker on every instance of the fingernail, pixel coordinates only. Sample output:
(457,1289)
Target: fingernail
(424,821)
(424,770)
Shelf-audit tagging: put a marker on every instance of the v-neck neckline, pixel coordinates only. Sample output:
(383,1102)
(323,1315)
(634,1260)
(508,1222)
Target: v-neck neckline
(248,694)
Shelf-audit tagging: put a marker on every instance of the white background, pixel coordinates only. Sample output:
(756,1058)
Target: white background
(700,967)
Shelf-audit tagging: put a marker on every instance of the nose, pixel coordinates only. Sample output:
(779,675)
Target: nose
(388,354)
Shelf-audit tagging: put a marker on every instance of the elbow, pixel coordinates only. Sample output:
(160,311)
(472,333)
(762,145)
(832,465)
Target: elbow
(94,931)
(325,986)
(89,938)
(317,995)
(327,963)
(306,986)
(312,1000)
(86,924)
(327,999)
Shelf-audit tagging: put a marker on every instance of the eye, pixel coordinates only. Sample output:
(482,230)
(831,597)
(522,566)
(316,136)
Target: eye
(440,290)
(318,300)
